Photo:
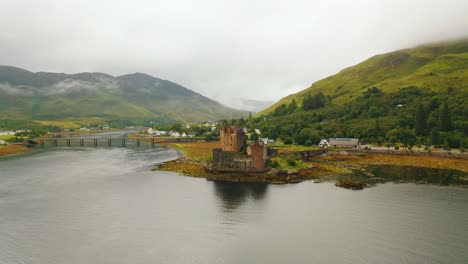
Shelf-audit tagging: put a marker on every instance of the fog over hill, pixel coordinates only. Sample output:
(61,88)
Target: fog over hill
(45,95)
(252,105)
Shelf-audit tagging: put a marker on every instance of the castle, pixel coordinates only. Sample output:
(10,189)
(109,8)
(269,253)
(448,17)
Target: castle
(233,138)
(235,154)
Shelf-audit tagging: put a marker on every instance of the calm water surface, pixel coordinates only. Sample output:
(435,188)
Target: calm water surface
(106,206)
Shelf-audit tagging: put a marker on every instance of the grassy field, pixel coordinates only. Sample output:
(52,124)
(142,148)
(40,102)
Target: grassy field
(12,149)
(289,149)
(6,137)
(71,122)
(435,162)
(197,151)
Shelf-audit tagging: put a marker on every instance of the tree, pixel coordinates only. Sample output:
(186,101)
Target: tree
(209,138)
(307,102)
(313,102)
(254,136)
(445,121)
(420,120)
(377,127)
(292,106)
(280,110)
(374,111)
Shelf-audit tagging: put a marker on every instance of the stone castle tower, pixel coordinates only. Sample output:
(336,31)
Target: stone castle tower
(233,138)
(259,155)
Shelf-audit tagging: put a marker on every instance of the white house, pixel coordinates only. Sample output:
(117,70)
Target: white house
(343,142)
(324,143)
(2,142)
(184,135)
(6,133)
(174,134)
(156,132)
(257,131)
(159,132)
(264,140)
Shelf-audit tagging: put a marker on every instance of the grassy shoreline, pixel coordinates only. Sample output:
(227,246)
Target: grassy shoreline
(13,149)
(329,167)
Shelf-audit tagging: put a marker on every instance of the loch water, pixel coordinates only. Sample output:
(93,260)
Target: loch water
(105,205)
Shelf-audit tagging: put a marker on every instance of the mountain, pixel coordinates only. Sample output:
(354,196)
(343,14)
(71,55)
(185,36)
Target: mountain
(433,67)
(406,92)
(26,95)
(245,104)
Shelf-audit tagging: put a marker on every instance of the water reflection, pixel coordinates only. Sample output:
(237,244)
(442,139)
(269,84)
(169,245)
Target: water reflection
(232,194)
(388,173)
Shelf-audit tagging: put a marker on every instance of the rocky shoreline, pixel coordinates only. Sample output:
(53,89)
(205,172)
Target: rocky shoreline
(187,167)
(13,149)
(348,169)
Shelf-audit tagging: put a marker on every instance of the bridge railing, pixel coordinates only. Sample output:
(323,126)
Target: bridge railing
(103,141)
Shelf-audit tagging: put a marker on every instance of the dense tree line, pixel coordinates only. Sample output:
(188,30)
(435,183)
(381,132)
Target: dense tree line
(312,102)
(410,116)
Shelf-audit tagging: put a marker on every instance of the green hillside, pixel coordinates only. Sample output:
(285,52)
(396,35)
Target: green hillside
(52,96)
(388,98)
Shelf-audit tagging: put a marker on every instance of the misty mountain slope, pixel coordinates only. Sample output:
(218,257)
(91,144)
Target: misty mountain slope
(431,68)
(253,105)
(27,95)
(410,96)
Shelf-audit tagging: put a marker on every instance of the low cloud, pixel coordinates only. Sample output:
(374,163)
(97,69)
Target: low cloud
(262,49)
(17,90)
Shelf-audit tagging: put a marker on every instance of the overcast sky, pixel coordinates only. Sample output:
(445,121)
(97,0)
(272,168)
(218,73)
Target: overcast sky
(244,48)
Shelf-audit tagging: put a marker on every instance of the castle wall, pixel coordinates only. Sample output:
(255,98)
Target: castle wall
(232,139)
(259,155)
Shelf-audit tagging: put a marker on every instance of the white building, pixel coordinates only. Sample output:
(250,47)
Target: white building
(7,133)
(174,134)
(324,143)
(343,142)
(155,132)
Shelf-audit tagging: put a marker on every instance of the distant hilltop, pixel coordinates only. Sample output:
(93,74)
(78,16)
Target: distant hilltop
(26,95)
(410,96)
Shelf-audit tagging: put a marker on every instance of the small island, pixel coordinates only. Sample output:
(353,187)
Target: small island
(233,159)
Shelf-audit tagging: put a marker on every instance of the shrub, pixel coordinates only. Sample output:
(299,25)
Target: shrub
(351,184)
(291,162)
(273,163)
(254,136)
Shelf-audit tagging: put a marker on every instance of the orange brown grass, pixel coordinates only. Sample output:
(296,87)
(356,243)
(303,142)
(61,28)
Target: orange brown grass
(199,150)
(12,149)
